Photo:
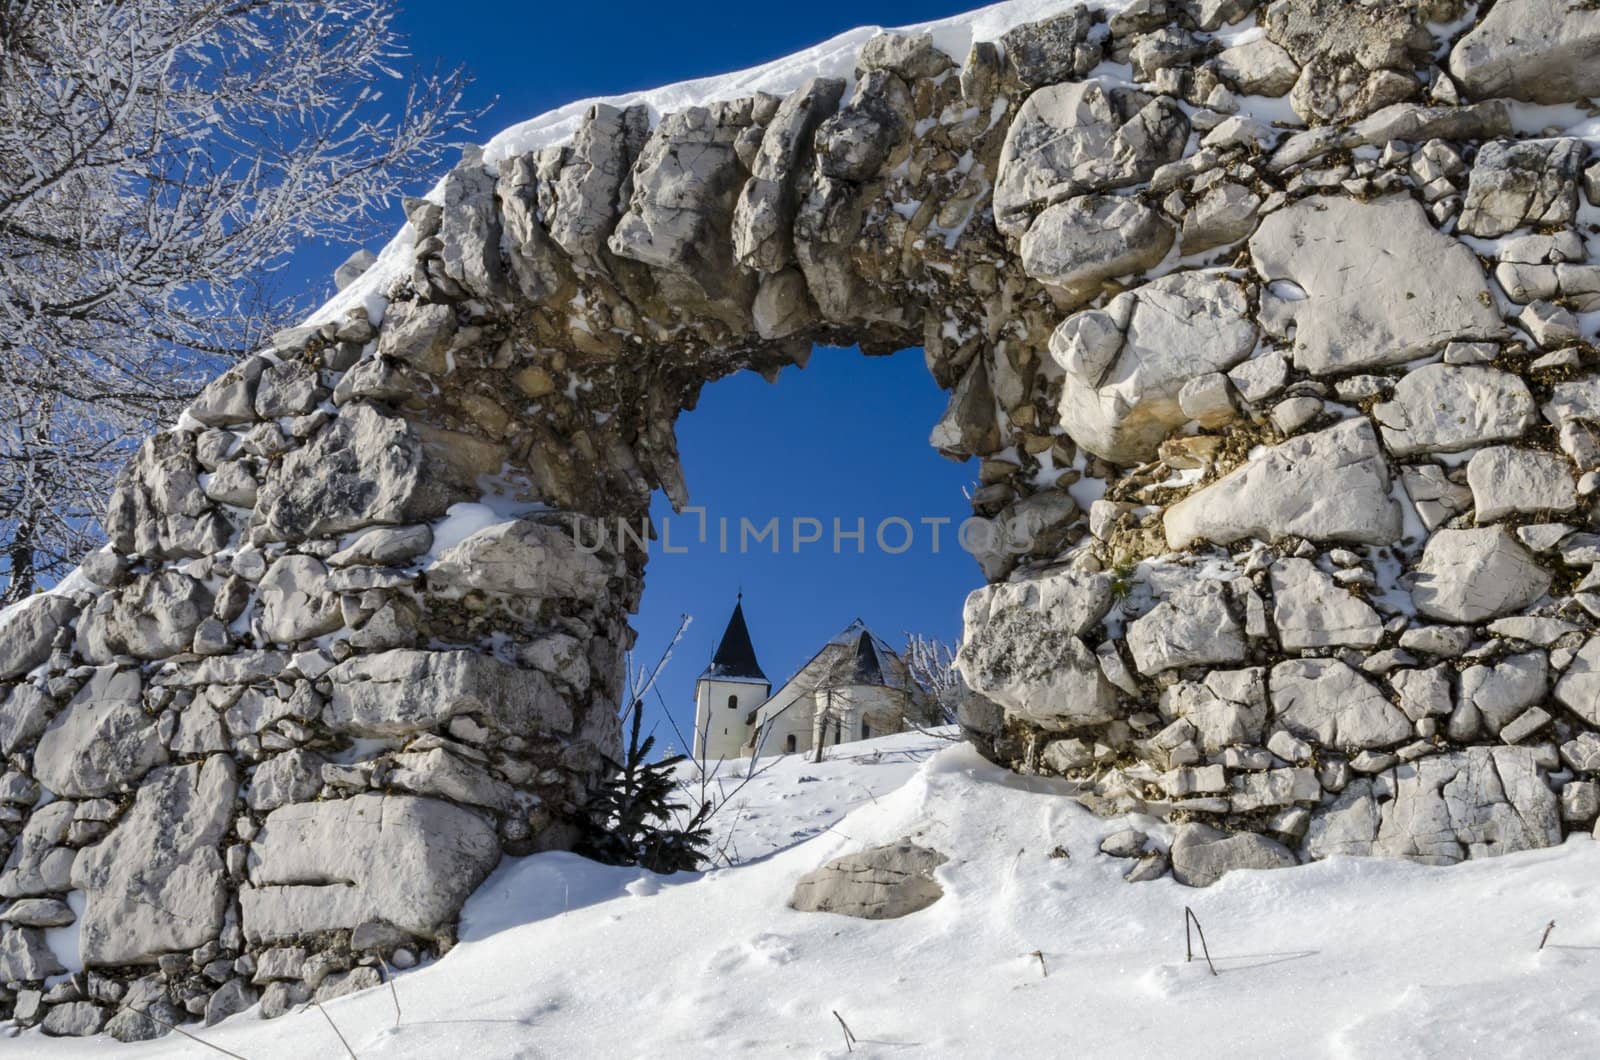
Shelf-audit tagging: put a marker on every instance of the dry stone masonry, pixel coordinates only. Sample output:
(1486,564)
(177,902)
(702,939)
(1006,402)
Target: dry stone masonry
(1271,326)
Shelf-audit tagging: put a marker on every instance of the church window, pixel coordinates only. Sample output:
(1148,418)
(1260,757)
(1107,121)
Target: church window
(733,702)
(788,743)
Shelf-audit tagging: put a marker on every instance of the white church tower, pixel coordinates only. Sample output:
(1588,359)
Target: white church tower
(728,693)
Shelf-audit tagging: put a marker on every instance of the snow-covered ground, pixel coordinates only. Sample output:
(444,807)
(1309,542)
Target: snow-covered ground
(1345,958)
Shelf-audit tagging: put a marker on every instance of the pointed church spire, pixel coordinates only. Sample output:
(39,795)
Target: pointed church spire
(736,655)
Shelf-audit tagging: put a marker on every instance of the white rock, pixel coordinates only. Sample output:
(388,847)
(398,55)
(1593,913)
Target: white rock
(439,773)
(418,333)
(1224,215)
(1075,138)
(1533,629)
(38,912)
(156,884)
(881,883)
(1274,788)
(27,630)
(1192,627)
(1480,802)
(1546,51)
(353,268)
(365,468)
(1074,246)
(403,691)
(295,602)
(156,614)
(74,1019)
(1208,400)
(1202,855)
(39,864)
(293,776)
(1021,647)
(1435,496)
(763,220)
(230,399)
(1257,68)
(1525,725)
(384,545)
(1291,414)
(1472,575)
(1503,691)
(1424,693)
(1260,377)
(1580,800)
(1327,701)
(1179,327)
(1448,641)
(1347,827)
(1579,687)
(1330,485)
(101,740)
(1443,408)
(590,189)
(1199,780)
(232,998)
(23,716)
(1312,611)
(1550,325)
(1229,707)
(1419,289)
(520,557)
(1574,399)
(25,955)
(1521,182)
(1511,481)
(409,861)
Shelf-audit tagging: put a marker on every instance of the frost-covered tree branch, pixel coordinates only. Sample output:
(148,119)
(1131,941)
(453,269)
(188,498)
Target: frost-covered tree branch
(931,663)
(159,159)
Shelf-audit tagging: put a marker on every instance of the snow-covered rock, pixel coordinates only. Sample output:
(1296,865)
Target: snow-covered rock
(883,883)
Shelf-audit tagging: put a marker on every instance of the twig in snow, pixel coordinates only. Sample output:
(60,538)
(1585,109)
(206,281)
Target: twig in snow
(388,974)
(1044,972)
(1546,936)
(192,1037)
(849,1038)
(1188,943)
(868,791)
(336,1029)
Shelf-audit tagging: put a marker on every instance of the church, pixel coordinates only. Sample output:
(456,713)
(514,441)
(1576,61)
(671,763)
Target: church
(854,688)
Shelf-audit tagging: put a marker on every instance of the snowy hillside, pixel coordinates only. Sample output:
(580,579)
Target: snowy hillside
(1343,958)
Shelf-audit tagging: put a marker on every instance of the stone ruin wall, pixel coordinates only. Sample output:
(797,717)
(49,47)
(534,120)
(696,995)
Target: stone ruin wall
(1327,382)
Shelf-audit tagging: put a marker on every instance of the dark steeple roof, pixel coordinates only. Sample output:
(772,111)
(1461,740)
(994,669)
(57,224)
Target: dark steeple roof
(736,656)
(868,671)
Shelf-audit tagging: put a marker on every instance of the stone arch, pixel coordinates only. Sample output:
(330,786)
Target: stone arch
(329,684)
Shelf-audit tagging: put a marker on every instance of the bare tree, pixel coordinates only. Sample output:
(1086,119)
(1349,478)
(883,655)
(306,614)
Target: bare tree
(932,665)
(158,159)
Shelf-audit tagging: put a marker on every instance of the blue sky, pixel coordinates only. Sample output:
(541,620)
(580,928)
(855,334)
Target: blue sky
(845,438)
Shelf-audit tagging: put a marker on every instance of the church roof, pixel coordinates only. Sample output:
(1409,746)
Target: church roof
(867,660)
(855,657)
(736,656)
